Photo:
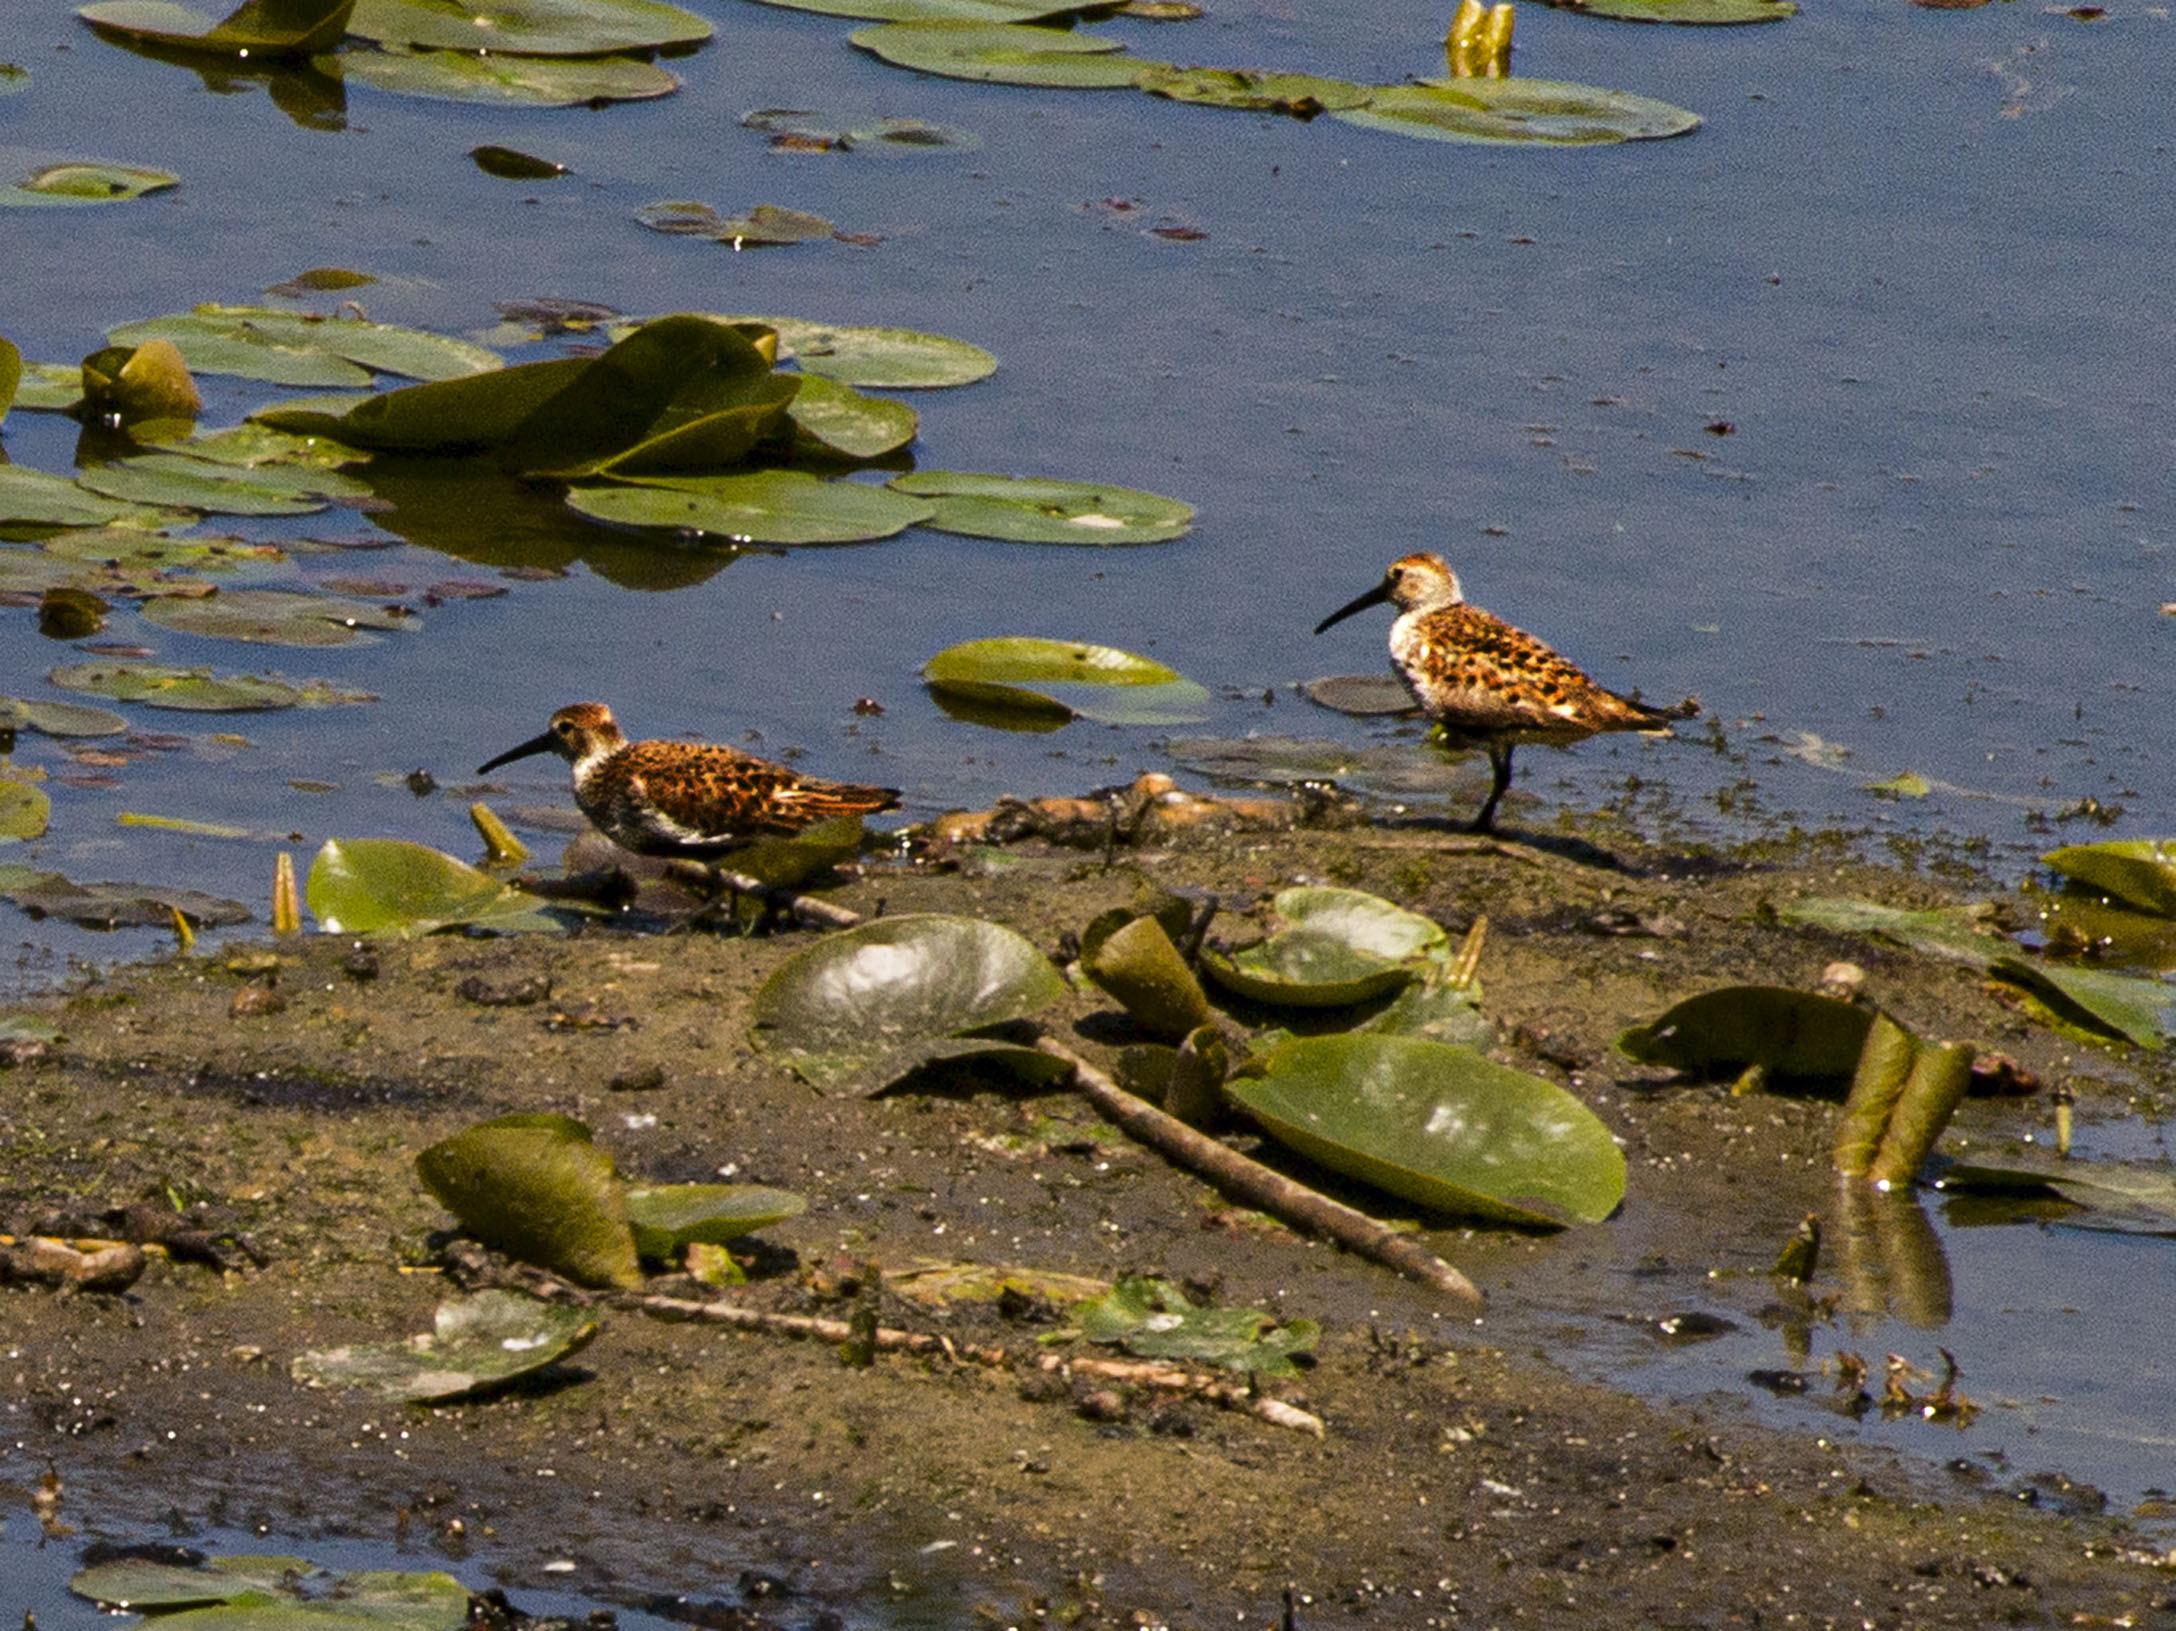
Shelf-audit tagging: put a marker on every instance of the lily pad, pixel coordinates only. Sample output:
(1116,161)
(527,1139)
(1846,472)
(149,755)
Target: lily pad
(1948,935)
(2128,1006)
(1333,948)
(528,28)
(501,81)
(115,905)
(805,130)
(139,386)
(274,29)
(1302,96)
(275,617)
(1022,674)
(785,863)
(938,11)
(760,506)
(62,719)
(1390,771)
(34,498)
(13,77)
(1789,1033)
(293,348)
(199,690)
(2140,872)
(49,387)
(512,164)
(1156,1320)
(1438,1125)
(1549,112)
(11,376)
(1004,54)
(25,811)
(535,1188)
(82,181)
(2119,1196)
(385,885)
(261,1592)
(883,359)
(477,1345)
(1711,12)
(1362,696)
(764,225)
(1038,510)
(864,996)
(1137,964)
(669,1219)
(180,482)
(849,423)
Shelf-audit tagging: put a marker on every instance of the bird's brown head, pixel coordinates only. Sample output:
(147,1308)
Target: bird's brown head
(579,731)
(1411,583)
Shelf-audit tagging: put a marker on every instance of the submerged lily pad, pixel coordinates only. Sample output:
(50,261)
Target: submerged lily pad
(275,617)
(671,1218)
(1712,12)
(272,29)
(2139,872)
(536,1188)
(115,905)
(477,1345)
(199,690)
(1301,95)
(804,129)
(1439,1125)
(263,1592)
(1033,676)
(1004,53)
(293,348)
(505,81)
(766,224)
(1039,510)
(1333,948)
(62,719)
(861,1001)
(1518,111)
(528,28)
(82,181)
(386,885)
(760,506)
(1156,1320)
(1789,1033)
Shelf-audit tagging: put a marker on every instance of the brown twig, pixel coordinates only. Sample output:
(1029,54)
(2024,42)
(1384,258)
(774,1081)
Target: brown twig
(1258,1186)
(788,903)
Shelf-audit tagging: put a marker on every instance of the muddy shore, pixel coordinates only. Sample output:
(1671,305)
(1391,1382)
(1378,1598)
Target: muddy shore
(1463,1478)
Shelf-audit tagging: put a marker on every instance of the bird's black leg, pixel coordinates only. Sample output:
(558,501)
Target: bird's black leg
(1499,758)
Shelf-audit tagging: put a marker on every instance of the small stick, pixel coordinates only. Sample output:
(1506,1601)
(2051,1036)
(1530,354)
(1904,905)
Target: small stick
(806,908)
(1256,1185)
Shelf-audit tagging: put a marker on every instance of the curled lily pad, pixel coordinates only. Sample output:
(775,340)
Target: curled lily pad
(1140,967)
(1004,53)
(292,348)
(1788,1033)
(63,719)
(139,385)
(82,181)
(670,1218)
(385,885)
(2128,1006)
(529,28)
(857,1001)
(1333,947)
(761,506)
(504,81)
(1439,1125)
(273,29)
(1303,96)
(535,1188)
(199,690)
(1155,1319)
(11,376)
(845,421)
(275,617)
(1544,111)
(25,811)
(476,1345)
(2139,872)
(1021,673)
(804,130)
(1038,510)
(1710,12)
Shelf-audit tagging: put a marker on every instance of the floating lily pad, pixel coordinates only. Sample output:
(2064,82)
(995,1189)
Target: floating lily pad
(385,885)
(11,376)
(512,164)
(49,387)
(529,28)
(115,905)
(766,224)
(263,1592)
(25,811)
(321,280)
(936,11)
(856,1002)
(292,348)
(2139,872)
(805,130)
(535,1188)
(1438,1125)
(1005,54)
(2123,1005)
(1332,948)
(1156,1320)
(62,719)
(883,359)
(1713,12)
(2119,1196)
(1362,696)
(505,81)
(669,1219)
(849,423)
(761,506)
(1543,111)
(1038,510)
(82,181)
(1301,95)
(1034,676)
(477,1345)
(180,482)
(273,29)
(1788,1033)
(33,497)
(13,77)
(275,617)
(199,690)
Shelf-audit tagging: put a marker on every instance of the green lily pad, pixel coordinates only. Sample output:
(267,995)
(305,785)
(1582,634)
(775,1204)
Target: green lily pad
(1712,12)
(806,129)
(62,719)
(1303,96)
(786,863)
(115,905)
(881,359)
(1946,934)
(274,29)
(1438,1125)
(1022,674)
(2128,1006)
(275,617)
(1037,510)
(2140,872)
(34,498)
(669,1219)
(82,181)
(11,376)
(247,1593)
(477,1345)
(1543,111)
(535,1188)
(1004,54)
(2119,1196)
(501,81)
(49,387)
(859,997)
(25,811)
(180,482)
(849,423)
(528,28)
(199,690)
(445,416)
(1788,1033)
(761,506)
(1137,964)
(764,225)
(937,11)
(309,352)
(13,77)
(1333,948)
(388,886)
(1155,1319)
(1436,1008)
(140,387)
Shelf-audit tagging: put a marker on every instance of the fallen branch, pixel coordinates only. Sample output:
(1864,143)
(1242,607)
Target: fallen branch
(1258,1186)
(1161,1378)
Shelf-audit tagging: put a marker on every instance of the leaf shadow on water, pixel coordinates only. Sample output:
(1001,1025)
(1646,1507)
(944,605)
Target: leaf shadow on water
(312,100)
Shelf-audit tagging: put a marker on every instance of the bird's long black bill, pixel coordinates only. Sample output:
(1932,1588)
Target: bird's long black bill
(536,744)
(1374,597)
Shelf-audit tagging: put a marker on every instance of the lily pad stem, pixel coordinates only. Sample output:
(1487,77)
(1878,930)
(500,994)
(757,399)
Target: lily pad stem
(1257,1185)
